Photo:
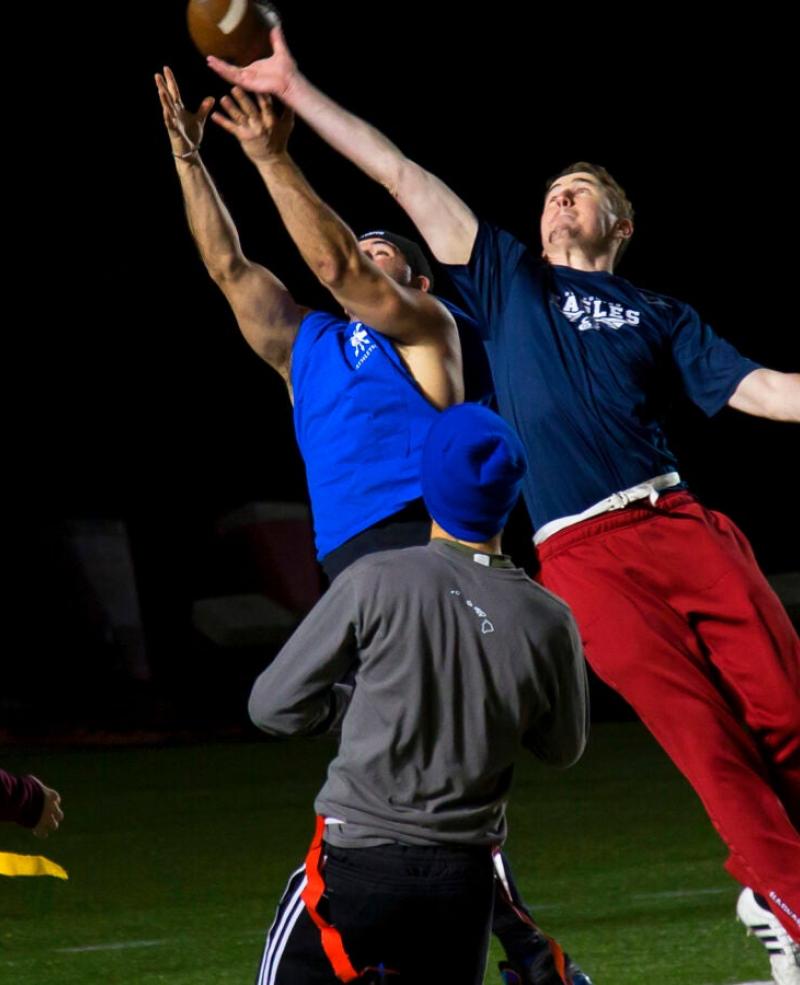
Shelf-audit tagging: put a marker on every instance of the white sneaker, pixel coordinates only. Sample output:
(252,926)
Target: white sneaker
(784,954)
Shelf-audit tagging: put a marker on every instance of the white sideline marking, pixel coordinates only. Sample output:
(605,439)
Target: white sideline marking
(666,894)
(756,983)
(119,946)
(680,894)
(233,17)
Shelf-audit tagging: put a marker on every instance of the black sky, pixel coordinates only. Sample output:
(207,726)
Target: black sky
(137,396)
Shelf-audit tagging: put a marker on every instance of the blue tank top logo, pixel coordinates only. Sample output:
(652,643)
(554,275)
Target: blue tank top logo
(362,345)
(592,313)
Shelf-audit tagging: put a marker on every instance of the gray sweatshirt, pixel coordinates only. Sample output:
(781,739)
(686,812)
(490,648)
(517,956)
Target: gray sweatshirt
(459,658)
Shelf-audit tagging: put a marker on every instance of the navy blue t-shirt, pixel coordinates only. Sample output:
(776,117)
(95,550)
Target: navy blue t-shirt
(582,364)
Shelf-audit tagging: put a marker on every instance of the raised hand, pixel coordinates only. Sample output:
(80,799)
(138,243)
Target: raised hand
(273,75)
(185,128)
(258,128)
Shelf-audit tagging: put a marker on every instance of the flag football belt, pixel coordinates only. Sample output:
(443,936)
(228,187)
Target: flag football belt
(29,865)
(649,489)
(332,943)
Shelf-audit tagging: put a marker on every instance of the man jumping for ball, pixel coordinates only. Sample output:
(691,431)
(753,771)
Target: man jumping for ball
(674,612)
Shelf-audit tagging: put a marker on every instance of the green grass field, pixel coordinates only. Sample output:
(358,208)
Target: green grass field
(177,856)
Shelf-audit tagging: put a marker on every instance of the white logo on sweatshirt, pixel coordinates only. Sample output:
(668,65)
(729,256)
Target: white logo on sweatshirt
(486,623)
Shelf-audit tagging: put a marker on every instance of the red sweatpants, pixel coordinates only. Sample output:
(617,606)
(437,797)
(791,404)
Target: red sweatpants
(676,616)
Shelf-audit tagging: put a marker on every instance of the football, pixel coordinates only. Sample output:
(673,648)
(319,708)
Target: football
(235,30)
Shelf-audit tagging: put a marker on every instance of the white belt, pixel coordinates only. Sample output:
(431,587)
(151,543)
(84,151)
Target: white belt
(616,501)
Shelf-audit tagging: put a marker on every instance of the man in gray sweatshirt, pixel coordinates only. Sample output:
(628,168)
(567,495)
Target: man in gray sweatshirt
(459,659)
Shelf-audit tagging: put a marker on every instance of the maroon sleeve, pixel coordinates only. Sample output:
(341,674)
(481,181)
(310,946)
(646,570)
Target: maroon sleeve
(21,799)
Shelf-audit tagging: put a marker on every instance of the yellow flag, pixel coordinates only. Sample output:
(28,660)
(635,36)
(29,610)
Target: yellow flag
(29,865)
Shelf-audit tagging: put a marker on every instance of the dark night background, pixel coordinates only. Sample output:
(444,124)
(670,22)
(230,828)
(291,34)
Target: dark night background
(136,397)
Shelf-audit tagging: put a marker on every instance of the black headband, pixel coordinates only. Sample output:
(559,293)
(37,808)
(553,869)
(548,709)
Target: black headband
(415,258)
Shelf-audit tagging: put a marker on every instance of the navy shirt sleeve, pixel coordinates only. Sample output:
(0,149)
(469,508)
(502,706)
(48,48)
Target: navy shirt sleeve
(710,367)
(484,281)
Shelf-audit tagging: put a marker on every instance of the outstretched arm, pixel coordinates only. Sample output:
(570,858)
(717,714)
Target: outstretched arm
(769,393)
(406,313)
(267,315)
(327,244)
(447,224)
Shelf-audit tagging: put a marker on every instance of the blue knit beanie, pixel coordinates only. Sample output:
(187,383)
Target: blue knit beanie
(472,466)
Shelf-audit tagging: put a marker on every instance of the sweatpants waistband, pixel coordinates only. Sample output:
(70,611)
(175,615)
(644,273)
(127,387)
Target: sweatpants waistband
(635,513)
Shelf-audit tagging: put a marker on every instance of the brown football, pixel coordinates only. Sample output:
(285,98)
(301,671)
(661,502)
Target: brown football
(234,30)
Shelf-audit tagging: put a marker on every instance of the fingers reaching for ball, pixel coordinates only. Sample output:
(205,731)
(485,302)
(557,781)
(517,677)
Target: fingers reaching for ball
(262,132)
(275,74)
(184,127)
(246,104)
(172,85)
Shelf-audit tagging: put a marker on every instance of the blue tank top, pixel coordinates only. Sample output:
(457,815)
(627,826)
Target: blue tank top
(361,421)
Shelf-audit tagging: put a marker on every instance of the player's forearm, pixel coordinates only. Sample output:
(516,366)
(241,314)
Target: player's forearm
(447,224)
(210,223)
(325,242)
(351,136)
(783,400)
(21,799)
(559,739)
(272,711)
(770,394)
(297,693)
